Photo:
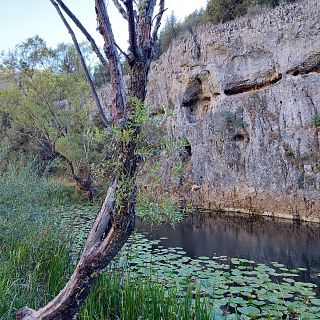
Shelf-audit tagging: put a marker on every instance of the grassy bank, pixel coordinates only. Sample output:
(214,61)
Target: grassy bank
(33,256)
(119,296)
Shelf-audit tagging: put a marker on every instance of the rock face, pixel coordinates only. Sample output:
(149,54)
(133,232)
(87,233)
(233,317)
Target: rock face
(246,97)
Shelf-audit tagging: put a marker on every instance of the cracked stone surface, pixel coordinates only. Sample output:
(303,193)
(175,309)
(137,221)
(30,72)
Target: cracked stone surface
(245,95)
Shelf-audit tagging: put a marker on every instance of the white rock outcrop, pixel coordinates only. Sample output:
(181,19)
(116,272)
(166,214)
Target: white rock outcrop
(246,95)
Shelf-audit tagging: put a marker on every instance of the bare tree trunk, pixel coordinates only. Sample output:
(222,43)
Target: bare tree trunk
(116,218)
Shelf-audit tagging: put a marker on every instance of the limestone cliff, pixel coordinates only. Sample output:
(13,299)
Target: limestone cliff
(246,96)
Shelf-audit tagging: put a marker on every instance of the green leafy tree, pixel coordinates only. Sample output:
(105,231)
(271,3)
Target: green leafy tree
(192,20)
(173,28)
(168,34)
(101,76)
(48,105)
(220,10)
(115,221)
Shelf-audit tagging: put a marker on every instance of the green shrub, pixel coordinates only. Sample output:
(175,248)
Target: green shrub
(315,121)
(234,119)
(289,153)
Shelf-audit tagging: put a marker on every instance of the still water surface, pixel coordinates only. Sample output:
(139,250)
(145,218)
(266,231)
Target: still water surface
(263,240)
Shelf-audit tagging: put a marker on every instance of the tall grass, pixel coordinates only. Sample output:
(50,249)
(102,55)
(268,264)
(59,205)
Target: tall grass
(117,295)
(33,251)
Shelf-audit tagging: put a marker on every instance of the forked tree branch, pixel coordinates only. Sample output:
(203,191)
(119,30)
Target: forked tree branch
(83,63)
(120,9)
(85,33)
(157,25)
(110,231)
(111,52)
(144,25)
(134,47)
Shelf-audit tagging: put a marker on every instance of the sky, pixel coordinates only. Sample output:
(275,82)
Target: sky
(21,19)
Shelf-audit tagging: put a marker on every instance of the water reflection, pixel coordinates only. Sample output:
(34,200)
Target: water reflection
(261,239)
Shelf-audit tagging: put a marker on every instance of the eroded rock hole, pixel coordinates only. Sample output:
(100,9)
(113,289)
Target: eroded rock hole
(195,101)
(244,87)
(310,65)
(238,137)
(188,149)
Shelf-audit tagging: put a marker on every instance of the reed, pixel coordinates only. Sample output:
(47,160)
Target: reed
(118,295)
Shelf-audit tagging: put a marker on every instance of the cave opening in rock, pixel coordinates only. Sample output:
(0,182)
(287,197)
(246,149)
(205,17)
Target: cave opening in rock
(188,149)
(195,101)
(238,137)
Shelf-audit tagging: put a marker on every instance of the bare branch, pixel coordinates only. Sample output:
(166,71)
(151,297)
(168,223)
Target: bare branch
(122,52)
(83,63)
(157,25)
(150,9)
(120,9)
(132,29)
(161,12)
(111,52)
(85,32)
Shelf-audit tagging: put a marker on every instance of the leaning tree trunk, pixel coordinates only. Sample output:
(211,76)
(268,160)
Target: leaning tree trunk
(109,233)
(116,218)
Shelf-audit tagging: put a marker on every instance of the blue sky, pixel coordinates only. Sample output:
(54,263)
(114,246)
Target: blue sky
(21,19)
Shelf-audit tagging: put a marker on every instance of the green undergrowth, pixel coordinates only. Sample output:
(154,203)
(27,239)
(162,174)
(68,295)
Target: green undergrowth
(34,253)
(37,257)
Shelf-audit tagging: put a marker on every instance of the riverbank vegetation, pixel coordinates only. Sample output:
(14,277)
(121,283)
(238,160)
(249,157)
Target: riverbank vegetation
(37,260)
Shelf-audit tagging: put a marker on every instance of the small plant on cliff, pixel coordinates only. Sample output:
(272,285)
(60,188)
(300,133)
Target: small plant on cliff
(234,119)
(315,121)
(288,152)
(300,184)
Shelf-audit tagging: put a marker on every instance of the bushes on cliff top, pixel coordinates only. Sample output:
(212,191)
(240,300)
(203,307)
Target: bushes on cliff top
(216,11)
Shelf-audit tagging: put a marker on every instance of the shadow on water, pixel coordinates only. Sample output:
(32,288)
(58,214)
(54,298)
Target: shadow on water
(264,240)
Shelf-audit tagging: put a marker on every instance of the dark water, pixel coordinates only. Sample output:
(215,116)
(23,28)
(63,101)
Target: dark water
(263,240)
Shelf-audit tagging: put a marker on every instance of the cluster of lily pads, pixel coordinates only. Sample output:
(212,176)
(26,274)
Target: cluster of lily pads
(233,288)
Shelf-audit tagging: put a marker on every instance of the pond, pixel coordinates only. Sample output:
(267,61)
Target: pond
(262,239)
(244,267)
